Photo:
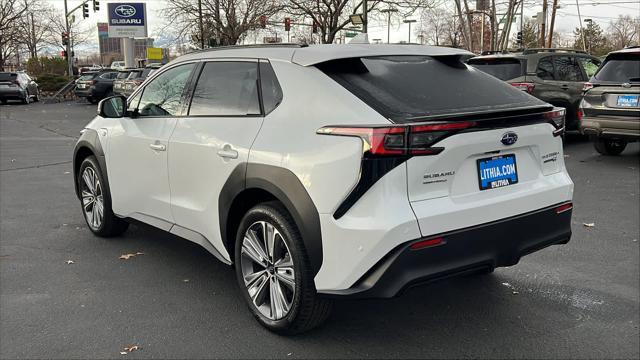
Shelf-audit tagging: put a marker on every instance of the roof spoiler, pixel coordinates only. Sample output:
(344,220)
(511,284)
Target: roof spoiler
(456,61)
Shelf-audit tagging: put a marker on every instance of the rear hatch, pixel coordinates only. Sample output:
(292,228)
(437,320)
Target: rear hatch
(118,83)
(470,137)
(9,80)
(615,89)
(132,81)
(85,81)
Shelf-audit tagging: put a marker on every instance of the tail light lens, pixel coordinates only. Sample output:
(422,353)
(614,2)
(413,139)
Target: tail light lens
(400,140)
(564,207)
(528,87)
(556,118)
(587,86)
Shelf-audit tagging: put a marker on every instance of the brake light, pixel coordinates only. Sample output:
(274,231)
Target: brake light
(528,87)
(587,86)
(427,243)
(555,117)
(400,140)
(580,114)
(564,207)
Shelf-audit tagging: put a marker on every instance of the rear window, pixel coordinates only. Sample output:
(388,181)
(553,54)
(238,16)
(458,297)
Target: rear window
(86,77)
(503,69)
(620,69)
(8,76)
(407,88)
(122,75)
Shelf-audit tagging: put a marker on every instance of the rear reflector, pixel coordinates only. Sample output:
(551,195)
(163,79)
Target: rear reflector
(564,207)
(427,243)
(587,86)
(556,118)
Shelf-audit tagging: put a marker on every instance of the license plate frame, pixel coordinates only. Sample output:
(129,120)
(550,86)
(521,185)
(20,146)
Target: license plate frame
(496,179)
(629,101)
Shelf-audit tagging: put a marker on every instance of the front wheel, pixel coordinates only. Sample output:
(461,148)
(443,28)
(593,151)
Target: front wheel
(274,273)
(96,201)
(609,146)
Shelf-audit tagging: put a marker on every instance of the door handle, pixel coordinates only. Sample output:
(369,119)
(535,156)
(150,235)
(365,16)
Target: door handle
(228,152)
(157,147)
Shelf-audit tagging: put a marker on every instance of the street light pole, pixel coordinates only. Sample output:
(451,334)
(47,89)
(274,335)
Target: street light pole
(409,21)
(201,24)
(584,42)
(365,18)
(389,11)
(590,21)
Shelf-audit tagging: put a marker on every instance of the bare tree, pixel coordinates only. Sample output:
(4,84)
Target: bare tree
(623,31)
(80,32)
(434,24)
(34,28)
(332,16)
(224,20)
(10,13)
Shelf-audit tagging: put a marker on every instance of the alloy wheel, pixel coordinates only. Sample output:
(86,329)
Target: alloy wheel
(268,270)
(92,198)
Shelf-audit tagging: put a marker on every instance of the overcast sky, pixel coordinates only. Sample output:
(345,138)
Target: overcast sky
(601,11)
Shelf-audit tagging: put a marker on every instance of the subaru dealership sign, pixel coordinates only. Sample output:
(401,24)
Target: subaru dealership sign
(127,20)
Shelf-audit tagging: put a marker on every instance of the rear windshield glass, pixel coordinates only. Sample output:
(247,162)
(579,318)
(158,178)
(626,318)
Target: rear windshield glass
(8,76)
(407,88)
(133,75)
(123,75)
(620,70)
(146,72)
(503,69)
(86,77)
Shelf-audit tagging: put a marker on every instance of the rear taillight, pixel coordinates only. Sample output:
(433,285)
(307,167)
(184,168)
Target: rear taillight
(580,114)
(400,140)
(587,86)
(528,87)
(556,118)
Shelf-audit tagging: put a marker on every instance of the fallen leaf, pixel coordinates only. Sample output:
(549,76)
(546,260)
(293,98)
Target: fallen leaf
(69,262)
(589,224)
(185,280)
(13,160)
(123,353)
(128,256)
(67,172)
(132,348)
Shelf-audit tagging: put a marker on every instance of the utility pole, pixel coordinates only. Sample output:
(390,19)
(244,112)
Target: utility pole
(584,41)
(68,48)
(388,12)
(553,22)
(589,27)
(201,25)
(365,18)
(409,21)
(543,24)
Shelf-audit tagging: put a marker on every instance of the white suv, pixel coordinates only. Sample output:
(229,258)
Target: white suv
(330,170)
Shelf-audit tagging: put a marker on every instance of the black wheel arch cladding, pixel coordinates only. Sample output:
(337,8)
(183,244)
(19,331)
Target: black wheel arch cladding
(285,187)
(88,144)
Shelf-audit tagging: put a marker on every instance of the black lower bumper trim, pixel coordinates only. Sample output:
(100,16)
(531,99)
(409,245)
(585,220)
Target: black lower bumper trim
(478,248)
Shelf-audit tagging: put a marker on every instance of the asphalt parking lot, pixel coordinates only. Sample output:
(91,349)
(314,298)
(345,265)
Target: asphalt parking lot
(580,300)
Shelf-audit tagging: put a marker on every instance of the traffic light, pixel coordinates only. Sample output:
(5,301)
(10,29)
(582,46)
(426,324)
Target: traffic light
(519,37)
(85,10)
(65,38)
(263,21)
(315,26)
(96,5)
(287,24)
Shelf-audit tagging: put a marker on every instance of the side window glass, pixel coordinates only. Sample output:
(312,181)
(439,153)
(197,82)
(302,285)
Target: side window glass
(162,96)
(590,66)
(567,68)
(271,91)
(226,89)
(545,69)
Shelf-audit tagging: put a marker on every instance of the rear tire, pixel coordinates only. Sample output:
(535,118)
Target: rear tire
(609,147)
(95,201)
(27,98)
(282,273)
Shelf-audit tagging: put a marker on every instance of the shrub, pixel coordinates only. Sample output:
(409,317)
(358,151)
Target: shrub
(51,82)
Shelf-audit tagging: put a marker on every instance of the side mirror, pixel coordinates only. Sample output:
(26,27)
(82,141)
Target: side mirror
(113,107)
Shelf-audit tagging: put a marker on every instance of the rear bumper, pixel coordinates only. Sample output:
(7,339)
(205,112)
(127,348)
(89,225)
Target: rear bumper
(481,247)
(88,92)
(8,94)
(625,127)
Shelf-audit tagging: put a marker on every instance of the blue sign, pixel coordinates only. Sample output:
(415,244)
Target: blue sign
(127,20)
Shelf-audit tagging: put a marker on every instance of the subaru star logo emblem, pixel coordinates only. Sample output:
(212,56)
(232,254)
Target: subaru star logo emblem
(125,10)
(626,85)
(509,138)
